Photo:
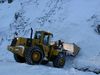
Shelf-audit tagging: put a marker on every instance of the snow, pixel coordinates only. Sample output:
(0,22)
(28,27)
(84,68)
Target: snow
(14,68)
(68,20)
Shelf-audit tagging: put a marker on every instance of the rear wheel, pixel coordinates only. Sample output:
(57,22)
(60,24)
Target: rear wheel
(19,58)
(59,60)
(34,55)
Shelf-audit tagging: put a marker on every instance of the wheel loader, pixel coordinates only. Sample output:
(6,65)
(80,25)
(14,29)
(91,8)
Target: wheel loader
(41,49)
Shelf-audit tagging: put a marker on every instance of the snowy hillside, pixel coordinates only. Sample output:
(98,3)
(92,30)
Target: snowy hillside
(72,21)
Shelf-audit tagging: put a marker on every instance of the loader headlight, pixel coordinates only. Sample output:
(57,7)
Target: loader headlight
(17,38)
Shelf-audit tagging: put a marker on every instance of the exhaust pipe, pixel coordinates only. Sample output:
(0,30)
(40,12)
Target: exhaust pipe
(30,40)
(31,33)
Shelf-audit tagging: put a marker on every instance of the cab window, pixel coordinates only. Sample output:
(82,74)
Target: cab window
(38,35)
(46,40)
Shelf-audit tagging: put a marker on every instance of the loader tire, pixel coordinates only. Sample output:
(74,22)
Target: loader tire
(33,55)
(19,58)
(59,60)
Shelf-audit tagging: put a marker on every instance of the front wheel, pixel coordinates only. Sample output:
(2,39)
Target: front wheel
(59,61)
(34,55)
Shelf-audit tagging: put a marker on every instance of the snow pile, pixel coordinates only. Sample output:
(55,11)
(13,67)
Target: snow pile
(69,20)
(12,68)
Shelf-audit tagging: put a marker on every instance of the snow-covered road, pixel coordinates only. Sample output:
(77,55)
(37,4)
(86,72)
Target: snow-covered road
(13,68)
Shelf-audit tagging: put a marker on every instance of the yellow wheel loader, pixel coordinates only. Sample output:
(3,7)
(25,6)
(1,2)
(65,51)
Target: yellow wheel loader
(41,49)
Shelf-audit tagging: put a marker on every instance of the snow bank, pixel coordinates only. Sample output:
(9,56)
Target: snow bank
(68,20)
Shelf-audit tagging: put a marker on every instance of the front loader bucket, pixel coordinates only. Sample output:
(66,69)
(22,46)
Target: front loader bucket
(71,49)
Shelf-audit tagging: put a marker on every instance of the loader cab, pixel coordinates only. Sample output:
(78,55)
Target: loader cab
(47,38)
(43,36)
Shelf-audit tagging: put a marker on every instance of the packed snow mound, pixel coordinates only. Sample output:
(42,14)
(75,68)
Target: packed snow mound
(72,21)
